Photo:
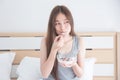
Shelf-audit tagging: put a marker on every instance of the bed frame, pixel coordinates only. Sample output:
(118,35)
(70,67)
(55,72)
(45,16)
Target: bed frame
(104,56)
(21,53)
(118,55)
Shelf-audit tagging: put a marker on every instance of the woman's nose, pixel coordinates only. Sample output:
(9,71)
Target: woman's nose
(62,26)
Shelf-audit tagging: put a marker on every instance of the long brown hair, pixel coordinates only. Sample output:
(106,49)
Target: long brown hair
(51,33)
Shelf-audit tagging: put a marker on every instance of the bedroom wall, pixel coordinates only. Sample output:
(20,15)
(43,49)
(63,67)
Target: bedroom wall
(32,15)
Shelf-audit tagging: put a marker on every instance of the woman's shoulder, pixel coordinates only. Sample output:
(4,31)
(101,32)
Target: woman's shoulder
(43,44)
(43,41)
(79,38)
(80,41)
(81,45)
(43,38)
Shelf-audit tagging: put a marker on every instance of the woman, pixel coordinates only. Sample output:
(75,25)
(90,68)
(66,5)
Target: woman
(61,43)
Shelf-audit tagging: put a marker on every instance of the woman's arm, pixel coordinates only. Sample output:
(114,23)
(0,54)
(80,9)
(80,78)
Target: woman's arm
(48,63)
(79,66)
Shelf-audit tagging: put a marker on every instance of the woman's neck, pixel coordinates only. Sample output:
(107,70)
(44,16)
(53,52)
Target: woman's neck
(67,38)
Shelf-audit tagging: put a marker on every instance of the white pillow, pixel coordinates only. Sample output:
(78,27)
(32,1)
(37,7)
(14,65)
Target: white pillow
(88,69)
(29,69)
(6,60)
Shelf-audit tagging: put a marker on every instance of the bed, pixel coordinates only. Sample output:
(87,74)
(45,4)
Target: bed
(100,45)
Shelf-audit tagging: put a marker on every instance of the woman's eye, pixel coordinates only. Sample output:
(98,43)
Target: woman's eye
(57,23)
(66,22)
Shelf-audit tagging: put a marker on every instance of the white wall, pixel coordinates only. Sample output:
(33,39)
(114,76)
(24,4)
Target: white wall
(32,15)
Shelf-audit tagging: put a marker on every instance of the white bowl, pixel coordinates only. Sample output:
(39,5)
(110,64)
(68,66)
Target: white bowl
(67,61)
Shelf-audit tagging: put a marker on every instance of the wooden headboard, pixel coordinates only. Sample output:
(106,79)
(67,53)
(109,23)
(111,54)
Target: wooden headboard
(20,53)
(101,45)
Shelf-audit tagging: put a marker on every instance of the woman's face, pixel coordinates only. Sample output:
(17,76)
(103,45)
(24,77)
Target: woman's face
(62,25)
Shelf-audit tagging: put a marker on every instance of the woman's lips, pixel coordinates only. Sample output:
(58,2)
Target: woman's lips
(62,33)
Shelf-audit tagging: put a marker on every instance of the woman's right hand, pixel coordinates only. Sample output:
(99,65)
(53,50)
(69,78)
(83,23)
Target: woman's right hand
(58,42)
